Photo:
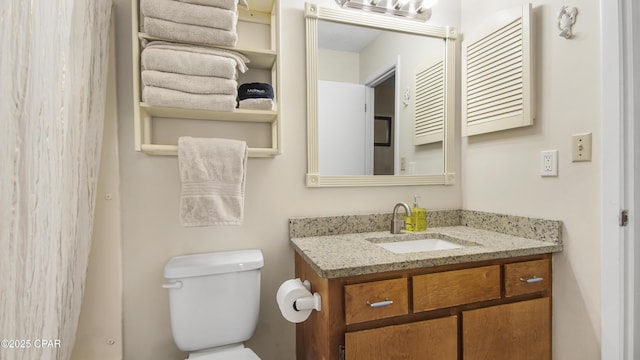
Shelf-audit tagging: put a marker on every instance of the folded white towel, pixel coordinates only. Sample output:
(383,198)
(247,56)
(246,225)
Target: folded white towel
(181,62)
(174,98)
(223,4)
(185,13)
(189,33)
(192,60)
(256,104)
(240,59)
(212,173)
(190,83)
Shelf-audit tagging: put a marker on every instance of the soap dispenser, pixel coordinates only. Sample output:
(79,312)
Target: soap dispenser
(418,220)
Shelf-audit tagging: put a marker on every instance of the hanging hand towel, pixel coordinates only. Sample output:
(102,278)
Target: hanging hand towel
(212,172)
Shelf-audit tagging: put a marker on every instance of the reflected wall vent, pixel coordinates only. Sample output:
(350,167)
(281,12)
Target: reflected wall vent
(497,91)
(429,104)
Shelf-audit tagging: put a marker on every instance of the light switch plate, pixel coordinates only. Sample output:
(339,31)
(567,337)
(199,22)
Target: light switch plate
(581,147)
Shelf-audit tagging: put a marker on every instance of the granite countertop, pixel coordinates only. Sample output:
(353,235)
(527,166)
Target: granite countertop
(350,254)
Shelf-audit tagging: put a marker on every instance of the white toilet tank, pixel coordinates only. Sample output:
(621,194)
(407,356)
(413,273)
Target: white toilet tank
(214,298)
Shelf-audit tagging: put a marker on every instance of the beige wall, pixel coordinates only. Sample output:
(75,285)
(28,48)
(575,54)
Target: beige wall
(501,170)
(500,174)
(334,65)
(99,334)
(275,191)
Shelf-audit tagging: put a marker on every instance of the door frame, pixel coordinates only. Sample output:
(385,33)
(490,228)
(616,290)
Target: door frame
(619,313)
(375,78)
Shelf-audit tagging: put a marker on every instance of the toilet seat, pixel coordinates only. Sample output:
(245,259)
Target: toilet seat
(233,354)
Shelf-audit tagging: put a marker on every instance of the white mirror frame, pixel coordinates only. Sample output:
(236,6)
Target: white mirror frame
(313,13)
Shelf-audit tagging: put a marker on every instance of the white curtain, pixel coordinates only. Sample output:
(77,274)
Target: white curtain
(53,72)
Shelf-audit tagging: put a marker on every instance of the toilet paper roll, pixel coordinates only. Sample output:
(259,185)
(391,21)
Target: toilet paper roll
(290,291)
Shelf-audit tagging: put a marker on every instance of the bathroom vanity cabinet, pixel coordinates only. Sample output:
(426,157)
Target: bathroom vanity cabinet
(494,309)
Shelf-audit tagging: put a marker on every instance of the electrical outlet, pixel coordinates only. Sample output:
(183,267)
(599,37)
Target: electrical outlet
(412,168)
(549,163)
(581,147)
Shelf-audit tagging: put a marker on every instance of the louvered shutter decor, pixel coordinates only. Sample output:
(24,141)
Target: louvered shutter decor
(429,104)
(497,87)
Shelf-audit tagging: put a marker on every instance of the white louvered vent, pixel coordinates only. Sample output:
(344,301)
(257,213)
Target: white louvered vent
(497,91)
(430,104)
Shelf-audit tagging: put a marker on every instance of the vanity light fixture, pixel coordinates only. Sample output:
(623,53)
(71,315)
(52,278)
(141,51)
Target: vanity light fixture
(399,4)
(411,9)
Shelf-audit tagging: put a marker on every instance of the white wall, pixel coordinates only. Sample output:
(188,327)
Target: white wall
(275,191)
(500,170)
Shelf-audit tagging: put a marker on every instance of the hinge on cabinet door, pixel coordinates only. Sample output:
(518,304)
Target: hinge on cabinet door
(624,218)
(341,352)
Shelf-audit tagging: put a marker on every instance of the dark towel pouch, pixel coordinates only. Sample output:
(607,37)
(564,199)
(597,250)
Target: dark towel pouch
(255,91)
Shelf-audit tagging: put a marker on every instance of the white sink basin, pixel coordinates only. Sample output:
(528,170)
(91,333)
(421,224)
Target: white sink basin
(410,246)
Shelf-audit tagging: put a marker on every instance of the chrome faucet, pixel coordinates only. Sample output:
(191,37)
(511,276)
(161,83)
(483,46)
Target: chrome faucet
(397,225)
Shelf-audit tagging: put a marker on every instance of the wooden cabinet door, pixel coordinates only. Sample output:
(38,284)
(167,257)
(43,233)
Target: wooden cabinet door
(520,331)
(426,340)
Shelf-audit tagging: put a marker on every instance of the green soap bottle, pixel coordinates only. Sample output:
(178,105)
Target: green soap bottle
(418,219)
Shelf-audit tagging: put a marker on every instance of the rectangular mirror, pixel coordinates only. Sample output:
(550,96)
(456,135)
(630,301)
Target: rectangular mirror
(380,100)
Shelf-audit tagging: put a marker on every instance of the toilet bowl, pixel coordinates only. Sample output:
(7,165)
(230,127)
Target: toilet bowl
(234,352)
(214,302)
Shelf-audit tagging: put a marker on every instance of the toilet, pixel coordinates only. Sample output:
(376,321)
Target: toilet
(214,302)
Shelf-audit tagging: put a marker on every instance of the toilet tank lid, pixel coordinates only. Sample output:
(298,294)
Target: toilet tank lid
(213,263)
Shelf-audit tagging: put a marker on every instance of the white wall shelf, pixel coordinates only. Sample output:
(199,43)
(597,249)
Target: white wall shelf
(258,58)
(197,114)
(263,59)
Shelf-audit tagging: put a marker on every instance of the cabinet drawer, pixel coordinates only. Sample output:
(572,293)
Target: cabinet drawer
(451,288)
(526,277)
(375,300)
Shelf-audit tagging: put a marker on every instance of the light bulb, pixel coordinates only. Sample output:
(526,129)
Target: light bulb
(427,4)
(399,4)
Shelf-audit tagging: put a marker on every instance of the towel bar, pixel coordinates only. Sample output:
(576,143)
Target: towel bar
(172,150)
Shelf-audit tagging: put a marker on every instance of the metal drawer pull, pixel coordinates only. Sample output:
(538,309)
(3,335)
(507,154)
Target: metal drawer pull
(532,280)
(378,304)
